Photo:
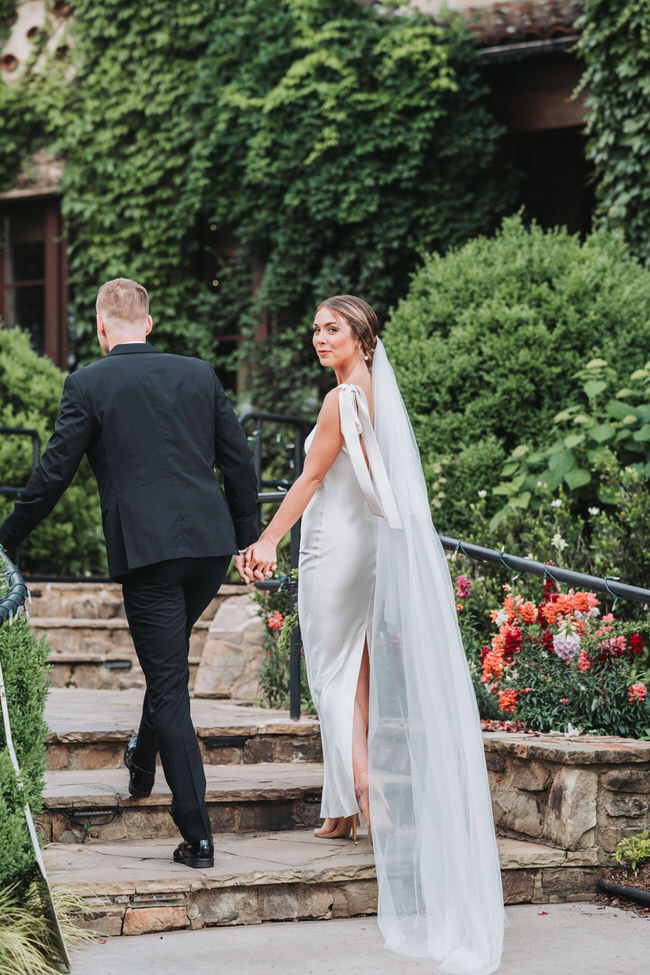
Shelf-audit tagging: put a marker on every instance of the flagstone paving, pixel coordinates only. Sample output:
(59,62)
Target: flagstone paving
(89,728)
(94,804)
(79,712)
(131,887)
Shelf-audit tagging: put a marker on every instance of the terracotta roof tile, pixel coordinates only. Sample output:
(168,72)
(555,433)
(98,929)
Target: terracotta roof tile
(516,23)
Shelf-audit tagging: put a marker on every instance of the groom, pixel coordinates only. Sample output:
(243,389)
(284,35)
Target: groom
(153,427)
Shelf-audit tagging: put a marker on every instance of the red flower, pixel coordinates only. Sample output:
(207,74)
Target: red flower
(511,641)
(635,644)
(508,700)
(564,700)
(276,620)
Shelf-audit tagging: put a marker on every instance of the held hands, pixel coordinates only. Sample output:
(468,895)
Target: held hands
(259,562)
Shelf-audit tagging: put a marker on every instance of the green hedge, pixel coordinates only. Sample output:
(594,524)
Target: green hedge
(23,664)
(70,540)
(487,344)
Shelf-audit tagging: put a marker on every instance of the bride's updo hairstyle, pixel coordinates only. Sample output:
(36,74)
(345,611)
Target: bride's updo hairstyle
(359,316)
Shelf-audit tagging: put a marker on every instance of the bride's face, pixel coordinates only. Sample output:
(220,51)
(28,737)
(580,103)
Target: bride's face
(334,340)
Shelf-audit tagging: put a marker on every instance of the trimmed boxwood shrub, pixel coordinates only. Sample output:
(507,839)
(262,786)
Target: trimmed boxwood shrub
(23,665)
(488,341)
(70,540)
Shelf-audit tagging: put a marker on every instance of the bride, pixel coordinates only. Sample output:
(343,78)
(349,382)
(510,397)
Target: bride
(400,727)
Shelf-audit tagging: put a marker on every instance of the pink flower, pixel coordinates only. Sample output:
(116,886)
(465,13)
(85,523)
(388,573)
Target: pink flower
(564,700)
(276,620)
(637,692)
(583,661)
(463,586)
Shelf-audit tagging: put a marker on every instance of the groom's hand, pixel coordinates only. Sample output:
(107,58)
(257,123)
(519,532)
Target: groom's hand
(244,570)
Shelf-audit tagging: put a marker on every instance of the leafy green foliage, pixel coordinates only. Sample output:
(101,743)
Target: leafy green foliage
(633,849)
(70,540)
(361,140)
(23,666)
(614,44)
(249,159)
(280,620)
(583,439)
(487,344)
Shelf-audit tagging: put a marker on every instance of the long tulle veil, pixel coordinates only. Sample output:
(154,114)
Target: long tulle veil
(438,874)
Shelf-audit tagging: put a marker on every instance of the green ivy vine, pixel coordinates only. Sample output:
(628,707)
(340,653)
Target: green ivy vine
(615,46)
(246,160)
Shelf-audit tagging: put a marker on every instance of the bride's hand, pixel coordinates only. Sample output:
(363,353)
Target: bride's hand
(261,558)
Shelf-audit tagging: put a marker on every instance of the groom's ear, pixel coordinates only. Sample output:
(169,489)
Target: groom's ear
(149,324)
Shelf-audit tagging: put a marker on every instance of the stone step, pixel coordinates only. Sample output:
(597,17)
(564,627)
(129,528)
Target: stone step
(99,653)
(89,729)
(95,806)
(133,887)
(98,600)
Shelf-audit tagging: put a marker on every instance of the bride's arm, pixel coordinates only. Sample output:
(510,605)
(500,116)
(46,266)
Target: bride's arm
(322,453)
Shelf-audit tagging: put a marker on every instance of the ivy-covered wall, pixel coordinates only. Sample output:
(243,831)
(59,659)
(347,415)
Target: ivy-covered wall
(252,158)
(615,46)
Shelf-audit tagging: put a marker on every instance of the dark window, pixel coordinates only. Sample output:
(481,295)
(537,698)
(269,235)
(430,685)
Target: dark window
(32,273)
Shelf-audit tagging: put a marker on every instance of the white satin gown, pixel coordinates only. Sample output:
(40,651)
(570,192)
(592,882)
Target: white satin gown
(372,564)
(336,579)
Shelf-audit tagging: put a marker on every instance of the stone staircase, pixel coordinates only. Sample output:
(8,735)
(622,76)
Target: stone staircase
(89,636)
(264,781)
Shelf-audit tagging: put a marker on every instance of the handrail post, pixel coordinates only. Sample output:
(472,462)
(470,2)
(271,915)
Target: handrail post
(274,497)
(296,643)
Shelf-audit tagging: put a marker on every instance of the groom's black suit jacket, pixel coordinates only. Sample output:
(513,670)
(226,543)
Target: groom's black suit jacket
(153,427)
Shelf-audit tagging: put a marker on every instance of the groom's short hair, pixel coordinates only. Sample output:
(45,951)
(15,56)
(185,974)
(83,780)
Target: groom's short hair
(123,300)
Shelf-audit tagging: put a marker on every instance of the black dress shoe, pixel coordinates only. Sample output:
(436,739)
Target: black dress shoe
(140,781)
(199,853)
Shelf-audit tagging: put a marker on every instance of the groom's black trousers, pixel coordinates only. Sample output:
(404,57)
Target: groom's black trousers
(162,603)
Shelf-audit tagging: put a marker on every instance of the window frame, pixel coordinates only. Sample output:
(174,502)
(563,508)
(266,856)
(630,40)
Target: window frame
(55,325)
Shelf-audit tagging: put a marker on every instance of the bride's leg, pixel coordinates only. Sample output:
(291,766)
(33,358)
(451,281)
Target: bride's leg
(360,736)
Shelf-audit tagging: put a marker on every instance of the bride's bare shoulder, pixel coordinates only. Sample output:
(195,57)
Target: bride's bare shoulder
(329,411)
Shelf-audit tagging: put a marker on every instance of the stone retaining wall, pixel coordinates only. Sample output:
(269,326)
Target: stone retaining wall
(582,795)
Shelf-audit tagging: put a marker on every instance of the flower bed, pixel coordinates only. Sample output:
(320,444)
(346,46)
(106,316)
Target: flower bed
(560,665)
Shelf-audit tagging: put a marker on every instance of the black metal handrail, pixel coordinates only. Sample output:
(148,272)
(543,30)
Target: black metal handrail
(17,593)
(607,584)
(260,418)
(15,491)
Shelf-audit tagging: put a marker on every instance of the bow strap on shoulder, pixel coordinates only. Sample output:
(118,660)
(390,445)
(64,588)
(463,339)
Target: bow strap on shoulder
(374,482)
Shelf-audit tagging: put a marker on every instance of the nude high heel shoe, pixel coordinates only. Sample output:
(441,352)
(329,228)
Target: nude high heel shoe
(342,829)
